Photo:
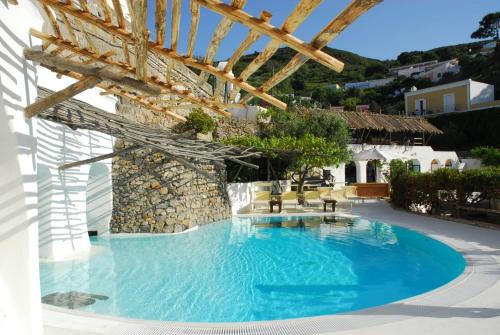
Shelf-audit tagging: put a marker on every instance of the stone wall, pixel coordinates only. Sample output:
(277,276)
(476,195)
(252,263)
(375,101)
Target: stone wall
(154,194)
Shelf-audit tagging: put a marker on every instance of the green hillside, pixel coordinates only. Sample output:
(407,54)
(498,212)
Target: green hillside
(314,80)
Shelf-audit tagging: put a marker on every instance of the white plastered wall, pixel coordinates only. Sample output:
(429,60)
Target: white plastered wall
(32,148)
(63,208)
(20,310)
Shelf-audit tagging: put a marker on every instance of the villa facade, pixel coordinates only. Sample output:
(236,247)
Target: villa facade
(461,96)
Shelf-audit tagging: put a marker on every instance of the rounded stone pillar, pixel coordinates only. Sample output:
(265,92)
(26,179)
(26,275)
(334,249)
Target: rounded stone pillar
(360,171)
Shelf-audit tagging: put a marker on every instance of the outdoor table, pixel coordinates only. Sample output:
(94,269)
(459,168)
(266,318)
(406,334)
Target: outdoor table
(329,201)
(273,203)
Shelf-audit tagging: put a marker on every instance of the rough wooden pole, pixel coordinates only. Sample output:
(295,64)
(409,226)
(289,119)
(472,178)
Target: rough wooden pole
(62,95)
(100,158)
(101,72)
(141,37)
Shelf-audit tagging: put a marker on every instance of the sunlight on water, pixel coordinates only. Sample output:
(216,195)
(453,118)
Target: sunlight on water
(248,269)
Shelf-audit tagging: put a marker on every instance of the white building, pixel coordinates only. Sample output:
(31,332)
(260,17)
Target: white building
(432,70)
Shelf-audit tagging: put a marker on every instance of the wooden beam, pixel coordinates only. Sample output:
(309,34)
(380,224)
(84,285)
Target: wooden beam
(222,29)
(274,33)
(141,37)
(153,47)
(100,158)
(161,21)
(86,70)
(120,19)
(168,88)
(247,42)
(64,94)
(194,7)
(251,38)
(176,21)
(292,22)
(354,10)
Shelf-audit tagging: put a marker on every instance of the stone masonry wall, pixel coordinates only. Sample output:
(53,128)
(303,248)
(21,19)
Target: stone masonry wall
(154,194)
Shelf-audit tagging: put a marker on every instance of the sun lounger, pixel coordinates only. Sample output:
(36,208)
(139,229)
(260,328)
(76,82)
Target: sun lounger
(289,198)
(339,196)
(312,198)
(261,198)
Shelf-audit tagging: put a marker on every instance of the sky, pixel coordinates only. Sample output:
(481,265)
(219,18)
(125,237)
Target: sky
(384,32)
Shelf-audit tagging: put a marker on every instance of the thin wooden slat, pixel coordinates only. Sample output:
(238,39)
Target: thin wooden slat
(88,39)
(194,7)
(210,104)
(106,10)
(153,47)
(354,10)
(141,37)
(120,19)
(176,21)
(303,9)
(69,29)
(64,94)
(53,21)
(83,5)
(161,21)
(222,29)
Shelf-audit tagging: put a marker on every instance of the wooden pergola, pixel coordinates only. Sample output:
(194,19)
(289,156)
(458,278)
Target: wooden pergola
(72,49)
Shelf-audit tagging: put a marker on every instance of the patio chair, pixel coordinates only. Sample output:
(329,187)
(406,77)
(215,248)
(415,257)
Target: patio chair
(339,196)
(324,192)
(261,198)
(351,193)
(312,198)
(289,198)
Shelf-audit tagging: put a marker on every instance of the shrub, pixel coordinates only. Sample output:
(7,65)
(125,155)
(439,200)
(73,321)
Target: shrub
(199,121)
(489,156)
(427,189)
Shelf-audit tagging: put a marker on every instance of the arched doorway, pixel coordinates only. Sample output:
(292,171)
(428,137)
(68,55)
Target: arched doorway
(435,164)
(371,171)
(350,173)
(99,198)
(448,164)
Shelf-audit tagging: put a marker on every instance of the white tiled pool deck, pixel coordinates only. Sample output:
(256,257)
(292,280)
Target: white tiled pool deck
(469,304)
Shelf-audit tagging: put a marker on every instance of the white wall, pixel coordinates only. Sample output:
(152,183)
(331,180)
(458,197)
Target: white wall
(424,154)
(63,228)
(20,310)
(481,92)
(240,196)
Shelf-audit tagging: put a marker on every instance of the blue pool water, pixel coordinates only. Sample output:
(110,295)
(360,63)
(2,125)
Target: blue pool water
(248,269)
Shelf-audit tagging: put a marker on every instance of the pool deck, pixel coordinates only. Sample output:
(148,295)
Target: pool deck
(468,304)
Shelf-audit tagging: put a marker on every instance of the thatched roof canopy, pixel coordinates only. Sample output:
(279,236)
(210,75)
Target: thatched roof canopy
(388,123)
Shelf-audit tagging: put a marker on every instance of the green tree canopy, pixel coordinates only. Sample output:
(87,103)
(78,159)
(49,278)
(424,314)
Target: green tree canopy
(305,138)
(489,27)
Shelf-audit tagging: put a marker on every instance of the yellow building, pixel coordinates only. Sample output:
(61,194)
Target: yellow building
(460,96)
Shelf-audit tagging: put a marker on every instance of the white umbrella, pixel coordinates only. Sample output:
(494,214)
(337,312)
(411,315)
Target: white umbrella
(375,153)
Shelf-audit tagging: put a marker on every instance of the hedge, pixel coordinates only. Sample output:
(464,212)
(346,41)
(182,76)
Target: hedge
(428,189)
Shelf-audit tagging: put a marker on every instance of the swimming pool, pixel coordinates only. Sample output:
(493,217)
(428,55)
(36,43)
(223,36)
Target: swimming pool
(250,269)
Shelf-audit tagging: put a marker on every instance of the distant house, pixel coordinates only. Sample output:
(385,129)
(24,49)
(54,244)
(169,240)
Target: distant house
(433,70)
(369,83)
(460,96)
